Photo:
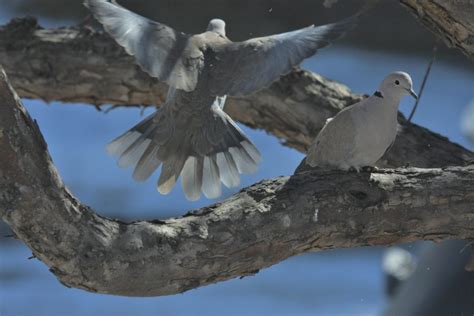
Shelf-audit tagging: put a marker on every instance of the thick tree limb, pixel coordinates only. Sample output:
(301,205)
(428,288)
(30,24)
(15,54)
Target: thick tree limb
(260,226)
(85,66)
(452,21)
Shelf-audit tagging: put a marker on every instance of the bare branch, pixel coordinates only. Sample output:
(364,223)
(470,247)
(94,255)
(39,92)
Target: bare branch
(84,66)
(258,227)
(423,82)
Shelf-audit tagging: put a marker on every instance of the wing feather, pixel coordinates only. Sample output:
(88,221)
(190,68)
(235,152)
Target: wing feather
(335,143)
(245,67)
(160,51)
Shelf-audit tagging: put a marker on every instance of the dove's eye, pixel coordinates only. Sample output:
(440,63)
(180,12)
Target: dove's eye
(397,82)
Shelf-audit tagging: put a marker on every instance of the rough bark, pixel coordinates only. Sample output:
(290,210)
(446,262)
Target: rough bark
(452,21)
(258,227)
(73,65)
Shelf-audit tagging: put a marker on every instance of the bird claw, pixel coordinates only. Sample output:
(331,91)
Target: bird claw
(354,169)
(369,169)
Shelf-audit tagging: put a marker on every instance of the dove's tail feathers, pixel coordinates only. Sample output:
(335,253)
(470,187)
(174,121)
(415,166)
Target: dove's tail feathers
(191,178)
(216,158)
(136,147)
(132,145)
(218,151)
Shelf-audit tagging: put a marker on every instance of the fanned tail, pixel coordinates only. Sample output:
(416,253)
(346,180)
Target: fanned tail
(218,152)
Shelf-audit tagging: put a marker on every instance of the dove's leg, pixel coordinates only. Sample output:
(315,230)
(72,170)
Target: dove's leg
(354,169)
(369,168)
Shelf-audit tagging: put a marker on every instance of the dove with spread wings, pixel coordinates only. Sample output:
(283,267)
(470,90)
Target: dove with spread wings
(190,135)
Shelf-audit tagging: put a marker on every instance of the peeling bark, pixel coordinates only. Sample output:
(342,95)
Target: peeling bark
(73,65)
(256,228)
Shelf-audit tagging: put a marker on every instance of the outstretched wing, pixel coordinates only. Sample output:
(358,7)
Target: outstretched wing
(244,67)
(160,50)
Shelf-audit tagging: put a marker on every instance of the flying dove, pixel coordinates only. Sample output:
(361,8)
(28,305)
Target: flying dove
(190,134)
(360,134)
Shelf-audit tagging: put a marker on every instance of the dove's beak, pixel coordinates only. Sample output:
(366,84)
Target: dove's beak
(413,94)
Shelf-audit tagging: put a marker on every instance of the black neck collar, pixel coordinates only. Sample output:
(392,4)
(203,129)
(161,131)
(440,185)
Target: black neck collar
(378,94)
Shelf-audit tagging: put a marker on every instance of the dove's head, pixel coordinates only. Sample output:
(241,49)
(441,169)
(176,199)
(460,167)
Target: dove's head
(397,84)
(216,26)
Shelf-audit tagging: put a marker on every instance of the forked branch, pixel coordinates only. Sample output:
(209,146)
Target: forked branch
(256,228)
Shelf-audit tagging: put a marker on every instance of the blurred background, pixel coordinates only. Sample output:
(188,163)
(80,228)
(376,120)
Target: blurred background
(339,282)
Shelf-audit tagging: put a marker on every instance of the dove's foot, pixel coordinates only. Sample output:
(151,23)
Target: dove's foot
(354,169)
(369,169)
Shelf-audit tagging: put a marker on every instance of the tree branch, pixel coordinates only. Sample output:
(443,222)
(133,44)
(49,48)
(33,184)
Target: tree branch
(452,21)
(73,65)
(258,227)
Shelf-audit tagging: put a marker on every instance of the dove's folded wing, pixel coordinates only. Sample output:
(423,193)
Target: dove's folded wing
(335,143)
(160,50)
(244,67)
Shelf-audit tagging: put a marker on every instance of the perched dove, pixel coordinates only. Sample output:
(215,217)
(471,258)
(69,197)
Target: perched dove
(190,134)
(360,134)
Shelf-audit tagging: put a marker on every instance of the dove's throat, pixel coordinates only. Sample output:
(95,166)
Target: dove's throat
(384,109)
(389,102)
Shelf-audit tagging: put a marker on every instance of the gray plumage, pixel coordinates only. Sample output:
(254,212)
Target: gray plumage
(360,134)
(191,135)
